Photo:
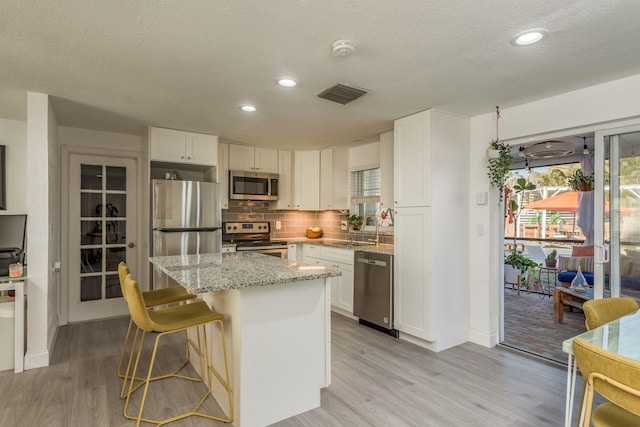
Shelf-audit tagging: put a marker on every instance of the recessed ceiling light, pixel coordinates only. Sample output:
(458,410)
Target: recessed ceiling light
(287,82)
(248,108)
(528,37)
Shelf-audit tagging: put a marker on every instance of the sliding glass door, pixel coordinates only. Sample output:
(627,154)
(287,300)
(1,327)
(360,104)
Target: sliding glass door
(617,213)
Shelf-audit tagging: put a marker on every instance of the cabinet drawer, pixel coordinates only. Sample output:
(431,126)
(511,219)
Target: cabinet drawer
(344,256)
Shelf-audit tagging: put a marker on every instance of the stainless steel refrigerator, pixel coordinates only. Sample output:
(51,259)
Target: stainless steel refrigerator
(186,219)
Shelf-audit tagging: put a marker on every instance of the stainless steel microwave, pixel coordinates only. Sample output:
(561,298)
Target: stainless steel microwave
(253,186)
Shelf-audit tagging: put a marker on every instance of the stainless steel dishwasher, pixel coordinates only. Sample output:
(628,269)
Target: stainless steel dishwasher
(373,290)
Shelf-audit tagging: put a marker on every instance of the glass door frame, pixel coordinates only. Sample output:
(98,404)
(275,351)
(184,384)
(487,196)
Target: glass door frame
(607,252)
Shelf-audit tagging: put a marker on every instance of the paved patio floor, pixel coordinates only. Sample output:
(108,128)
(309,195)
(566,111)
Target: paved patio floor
(529,325)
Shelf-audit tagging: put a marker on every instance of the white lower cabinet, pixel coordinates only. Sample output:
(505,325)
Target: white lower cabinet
(341,286)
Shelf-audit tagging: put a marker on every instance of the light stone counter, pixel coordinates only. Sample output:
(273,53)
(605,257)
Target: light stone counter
(221,272)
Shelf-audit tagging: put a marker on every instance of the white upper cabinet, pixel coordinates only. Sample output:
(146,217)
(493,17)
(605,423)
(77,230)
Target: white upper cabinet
(386,169)
(334,178)
(223,174)
(285,181)
(412,160)
(253,159)
(307,179)
(176,146)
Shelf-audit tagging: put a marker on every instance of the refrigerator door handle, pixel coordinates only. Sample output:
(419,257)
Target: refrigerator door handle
(183,230)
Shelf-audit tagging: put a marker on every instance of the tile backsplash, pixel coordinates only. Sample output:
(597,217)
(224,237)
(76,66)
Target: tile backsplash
(295,223)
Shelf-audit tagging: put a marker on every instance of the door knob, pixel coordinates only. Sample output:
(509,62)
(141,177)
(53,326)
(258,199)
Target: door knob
(130,245)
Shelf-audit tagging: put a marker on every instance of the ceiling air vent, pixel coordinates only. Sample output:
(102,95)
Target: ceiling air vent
(342,94)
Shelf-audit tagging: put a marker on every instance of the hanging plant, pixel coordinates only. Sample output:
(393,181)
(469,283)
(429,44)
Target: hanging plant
(498,169)
(499,154)
(579,181)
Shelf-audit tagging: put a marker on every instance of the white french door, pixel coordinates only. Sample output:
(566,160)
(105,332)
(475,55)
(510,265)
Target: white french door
(102,223)
(617,212)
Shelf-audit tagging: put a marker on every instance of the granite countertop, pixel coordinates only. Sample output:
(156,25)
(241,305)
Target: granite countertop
(346,244)
(220,272)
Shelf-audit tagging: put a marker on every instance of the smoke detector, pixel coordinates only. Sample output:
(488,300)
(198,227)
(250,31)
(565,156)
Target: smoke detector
(342,47)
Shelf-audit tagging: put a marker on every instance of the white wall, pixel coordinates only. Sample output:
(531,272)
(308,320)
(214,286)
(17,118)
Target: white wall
(598,107)
(53,297)
(13,134)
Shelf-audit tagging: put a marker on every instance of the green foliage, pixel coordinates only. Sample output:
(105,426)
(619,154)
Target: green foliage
(552,254)
(579,181)
(517,260)
(498,169)
(535,218)
(355,221)
(555,217)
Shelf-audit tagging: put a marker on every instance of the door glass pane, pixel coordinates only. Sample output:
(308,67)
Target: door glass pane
(91,177)
(90,288)
(90,205)
(112,289)
(91,260)
(90,232)
(116,205)
(114,256)
(627,208)
(116,178)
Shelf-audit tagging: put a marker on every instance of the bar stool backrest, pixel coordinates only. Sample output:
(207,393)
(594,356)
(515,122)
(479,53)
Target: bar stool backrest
(123,271)
(138,310)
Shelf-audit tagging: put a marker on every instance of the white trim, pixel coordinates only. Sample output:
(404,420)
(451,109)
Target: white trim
(36,360)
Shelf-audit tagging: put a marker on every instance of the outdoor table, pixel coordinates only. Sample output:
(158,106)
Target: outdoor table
(620,336)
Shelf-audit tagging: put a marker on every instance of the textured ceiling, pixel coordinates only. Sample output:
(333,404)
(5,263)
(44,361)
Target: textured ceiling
(120,65)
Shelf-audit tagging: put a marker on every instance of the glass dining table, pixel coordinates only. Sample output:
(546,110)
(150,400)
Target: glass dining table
(620,336)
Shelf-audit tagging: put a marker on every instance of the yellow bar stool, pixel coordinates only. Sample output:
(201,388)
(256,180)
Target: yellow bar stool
(154,298)
(167,321)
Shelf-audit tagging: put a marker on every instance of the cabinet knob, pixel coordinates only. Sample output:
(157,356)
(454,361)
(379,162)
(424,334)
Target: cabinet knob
(396,202)
(131,245)
(182,157)
(189,158)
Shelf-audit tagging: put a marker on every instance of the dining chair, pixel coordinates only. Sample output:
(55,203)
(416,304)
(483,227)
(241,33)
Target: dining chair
(153,298)
(597,312)
(615,378)
(196,316)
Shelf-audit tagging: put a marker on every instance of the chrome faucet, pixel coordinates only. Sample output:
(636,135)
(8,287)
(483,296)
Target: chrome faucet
(375,218)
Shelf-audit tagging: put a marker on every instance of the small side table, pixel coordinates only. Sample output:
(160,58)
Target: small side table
(548,270)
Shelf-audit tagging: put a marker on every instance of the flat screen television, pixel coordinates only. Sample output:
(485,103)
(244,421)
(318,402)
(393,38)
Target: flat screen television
(3,180)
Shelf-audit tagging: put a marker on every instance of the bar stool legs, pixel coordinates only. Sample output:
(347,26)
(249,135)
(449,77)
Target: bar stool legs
(195,316)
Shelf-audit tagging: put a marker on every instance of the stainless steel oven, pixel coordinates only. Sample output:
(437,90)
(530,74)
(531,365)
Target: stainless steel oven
(255,237)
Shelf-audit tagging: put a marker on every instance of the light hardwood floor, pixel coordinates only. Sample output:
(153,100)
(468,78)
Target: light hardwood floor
(377,381)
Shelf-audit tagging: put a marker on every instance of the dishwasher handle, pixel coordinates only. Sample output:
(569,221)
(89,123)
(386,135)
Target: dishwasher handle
(372,262)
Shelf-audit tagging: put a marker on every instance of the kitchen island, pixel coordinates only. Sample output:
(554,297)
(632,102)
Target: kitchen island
(277,327)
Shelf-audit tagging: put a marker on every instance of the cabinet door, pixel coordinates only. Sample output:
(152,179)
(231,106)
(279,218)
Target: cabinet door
(201,149)
(223,174)
(344,297)
(412,160)
(285,181)
(167,145)
(386,169)
(292,252)
(326,178)
(307,179)
(412,266)
(241,158)
(265,160)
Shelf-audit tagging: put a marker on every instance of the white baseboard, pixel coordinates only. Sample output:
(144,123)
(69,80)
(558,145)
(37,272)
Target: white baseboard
(483,339)
(36,360)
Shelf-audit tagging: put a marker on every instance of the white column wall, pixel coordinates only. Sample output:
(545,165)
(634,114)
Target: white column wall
(53,254)
(39,229)
(597,107)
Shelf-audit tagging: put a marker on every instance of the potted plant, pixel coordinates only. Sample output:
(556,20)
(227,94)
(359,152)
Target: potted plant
(498,168)
(551,260)
(499,155)
(355,222)
(579,181)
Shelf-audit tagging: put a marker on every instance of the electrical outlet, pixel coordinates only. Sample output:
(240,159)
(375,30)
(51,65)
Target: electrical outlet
(343,225)
(278,225)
